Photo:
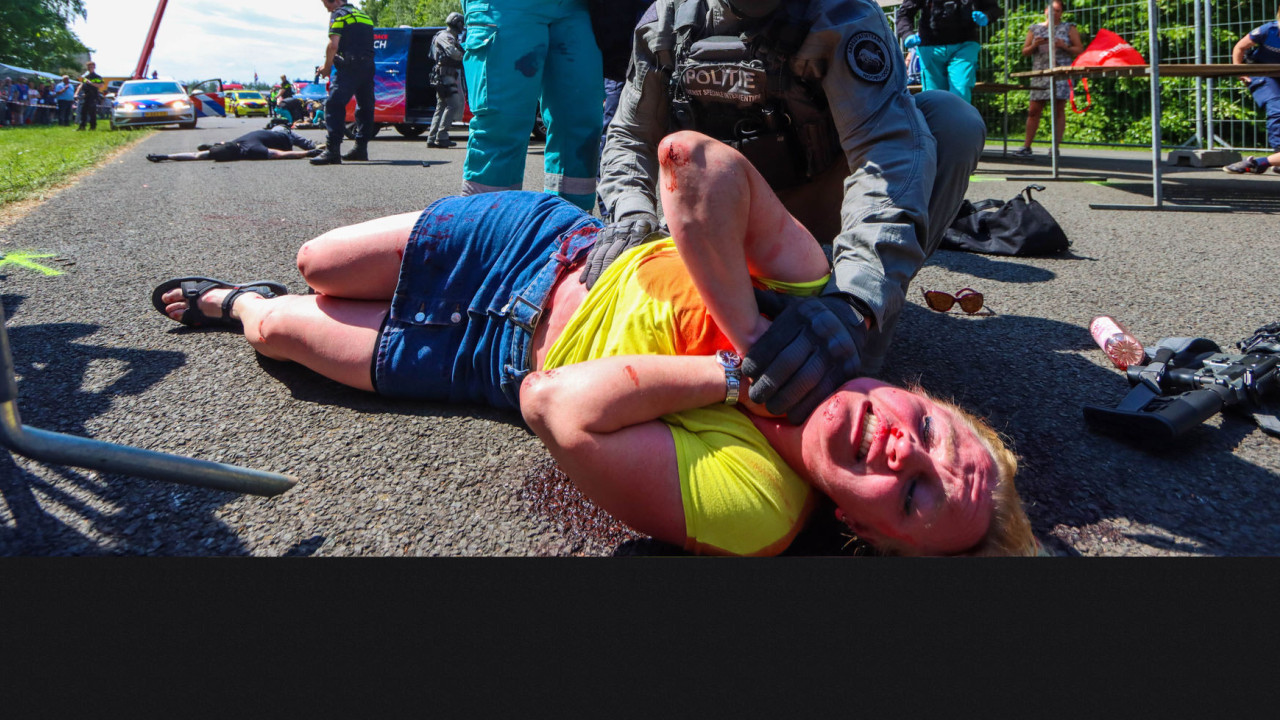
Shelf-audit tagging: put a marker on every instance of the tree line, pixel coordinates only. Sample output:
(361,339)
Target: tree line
(418,13)
(37,34)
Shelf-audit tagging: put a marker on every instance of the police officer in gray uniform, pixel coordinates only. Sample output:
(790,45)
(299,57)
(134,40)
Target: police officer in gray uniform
(813,93)
(446,51)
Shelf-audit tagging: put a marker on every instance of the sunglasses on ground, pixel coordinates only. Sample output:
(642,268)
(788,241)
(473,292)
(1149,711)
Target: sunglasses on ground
(970,301)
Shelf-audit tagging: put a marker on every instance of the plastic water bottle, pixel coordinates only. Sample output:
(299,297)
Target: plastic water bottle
(1117,342)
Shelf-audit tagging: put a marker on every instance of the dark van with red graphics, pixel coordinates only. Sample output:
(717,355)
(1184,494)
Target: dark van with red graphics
(404,97)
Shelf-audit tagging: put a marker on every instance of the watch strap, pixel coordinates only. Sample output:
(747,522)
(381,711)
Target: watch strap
(732,364)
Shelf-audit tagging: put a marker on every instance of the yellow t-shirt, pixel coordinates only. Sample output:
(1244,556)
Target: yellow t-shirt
(740,497)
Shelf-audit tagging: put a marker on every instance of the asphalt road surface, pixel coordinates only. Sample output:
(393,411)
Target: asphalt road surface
(387,477)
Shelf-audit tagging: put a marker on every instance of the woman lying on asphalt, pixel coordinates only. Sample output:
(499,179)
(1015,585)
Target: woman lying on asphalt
(278,143)
(476,299)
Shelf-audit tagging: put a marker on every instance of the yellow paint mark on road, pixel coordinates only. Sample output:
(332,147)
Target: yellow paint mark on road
(24,259)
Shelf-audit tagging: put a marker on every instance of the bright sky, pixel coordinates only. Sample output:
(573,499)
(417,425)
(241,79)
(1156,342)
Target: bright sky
(203,39)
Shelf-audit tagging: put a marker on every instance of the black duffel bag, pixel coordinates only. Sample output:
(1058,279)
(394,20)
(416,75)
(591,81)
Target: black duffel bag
(1020,226)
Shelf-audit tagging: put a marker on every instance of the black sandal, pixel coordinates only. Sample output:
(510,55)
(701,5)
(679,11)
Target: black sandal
(195,286)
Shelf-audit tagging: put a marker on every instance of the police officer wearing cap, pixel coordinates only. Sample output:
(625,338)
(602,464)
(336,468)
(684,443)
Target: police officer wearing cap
(813,93)
(350,50)
(446,51)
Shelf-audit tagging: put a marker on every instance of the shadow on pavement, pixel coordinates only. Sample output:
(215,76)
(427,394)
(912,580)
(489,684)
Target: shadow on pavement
(114,514)
(1259,194)
(311,387)
(990,267)
(1070,165)
(401,163)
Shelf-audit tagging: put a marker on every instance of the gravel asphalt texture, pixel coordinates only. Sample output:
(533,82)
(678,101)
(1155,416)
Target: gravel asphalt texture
(386,477)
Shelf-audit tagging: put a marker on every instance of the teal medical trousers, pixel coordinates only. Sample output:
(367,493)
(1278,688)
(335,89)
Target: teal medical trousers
(515,53)
(949,67)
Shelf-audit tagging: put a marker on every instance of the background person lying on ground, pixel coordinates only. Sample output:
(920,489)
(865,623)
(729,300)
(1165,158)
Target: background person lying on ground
(274,144)
(629,388)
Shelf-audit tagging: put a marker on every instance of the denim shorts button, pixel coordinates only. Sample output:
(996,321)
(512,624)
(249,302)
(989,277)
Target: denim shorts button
(419,317)
(456,318)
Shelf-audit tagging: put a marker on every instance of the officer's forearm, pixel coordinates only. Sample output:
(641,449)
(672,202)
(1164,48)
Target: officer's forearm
(628,174)
(629,163)
(885,215)
(877,281)
(885,211)
(330,52)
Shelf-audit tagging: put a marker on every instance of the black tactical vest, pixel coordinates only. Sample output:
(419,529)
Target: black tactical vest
(740,90)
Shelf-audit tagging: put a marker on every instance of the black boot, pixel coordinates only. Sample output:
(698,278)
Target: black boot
(328,157)
(359,152)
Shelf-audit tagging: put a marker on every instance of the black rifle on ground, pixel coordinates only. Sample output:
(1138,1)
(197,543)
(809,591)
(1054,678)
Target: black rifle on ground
(1188,381)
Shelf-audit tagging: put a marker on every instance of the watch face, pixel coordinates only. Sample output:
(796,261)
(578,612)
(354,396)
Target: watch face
(729,358)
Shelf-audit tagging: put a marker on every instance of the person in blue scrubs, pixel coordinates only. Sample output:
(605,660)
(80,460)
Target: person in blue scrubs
(515,53)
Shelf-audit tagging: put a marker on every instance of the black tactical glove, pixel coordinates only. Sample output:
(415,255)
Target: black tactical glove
(812,348)
(629,231)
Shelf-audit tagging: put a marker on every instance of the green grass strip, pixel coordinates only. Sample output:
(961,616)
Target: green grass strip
(33,159)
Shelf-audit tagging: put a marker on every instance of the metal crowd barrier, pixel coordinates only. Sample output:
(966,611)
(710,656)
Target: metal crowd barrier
(58,448)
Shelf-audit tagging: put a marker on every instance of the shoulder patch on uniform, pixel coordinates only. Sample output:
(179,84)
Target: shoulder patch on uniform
(868,57)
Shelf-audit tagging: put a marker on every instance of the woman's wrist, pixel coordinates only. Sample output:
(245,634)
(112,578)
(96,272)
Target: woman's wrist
(757,331)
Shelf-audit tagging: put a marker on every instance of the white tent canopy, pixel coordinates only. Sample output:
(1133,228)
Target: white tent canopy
(9,71)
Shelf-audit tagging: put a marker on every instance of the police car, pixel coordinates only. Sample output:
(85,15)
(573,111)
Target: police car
(152,102)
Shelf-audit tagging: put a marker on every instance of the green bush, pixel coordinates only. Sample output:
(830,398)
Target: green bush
(1121,107)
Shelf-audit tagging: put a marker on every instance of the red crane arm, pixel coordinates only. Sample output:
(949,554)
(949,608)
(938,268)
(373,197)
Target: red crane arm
(141,70)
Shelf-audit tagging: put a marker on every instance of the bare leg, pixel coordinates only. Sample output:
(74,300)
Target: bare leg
(358,262)
(332,336)
(273,154)
(1034,110)
(728,225)
(202,155)
(1060,117)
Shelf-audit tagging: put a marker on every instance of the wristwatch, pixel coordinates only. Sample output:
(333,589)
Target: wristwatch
(732,364)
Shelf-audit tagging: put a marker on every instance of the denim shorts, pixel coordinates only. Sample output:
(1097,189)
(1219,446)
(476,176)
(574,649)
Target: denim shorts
(476,273)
